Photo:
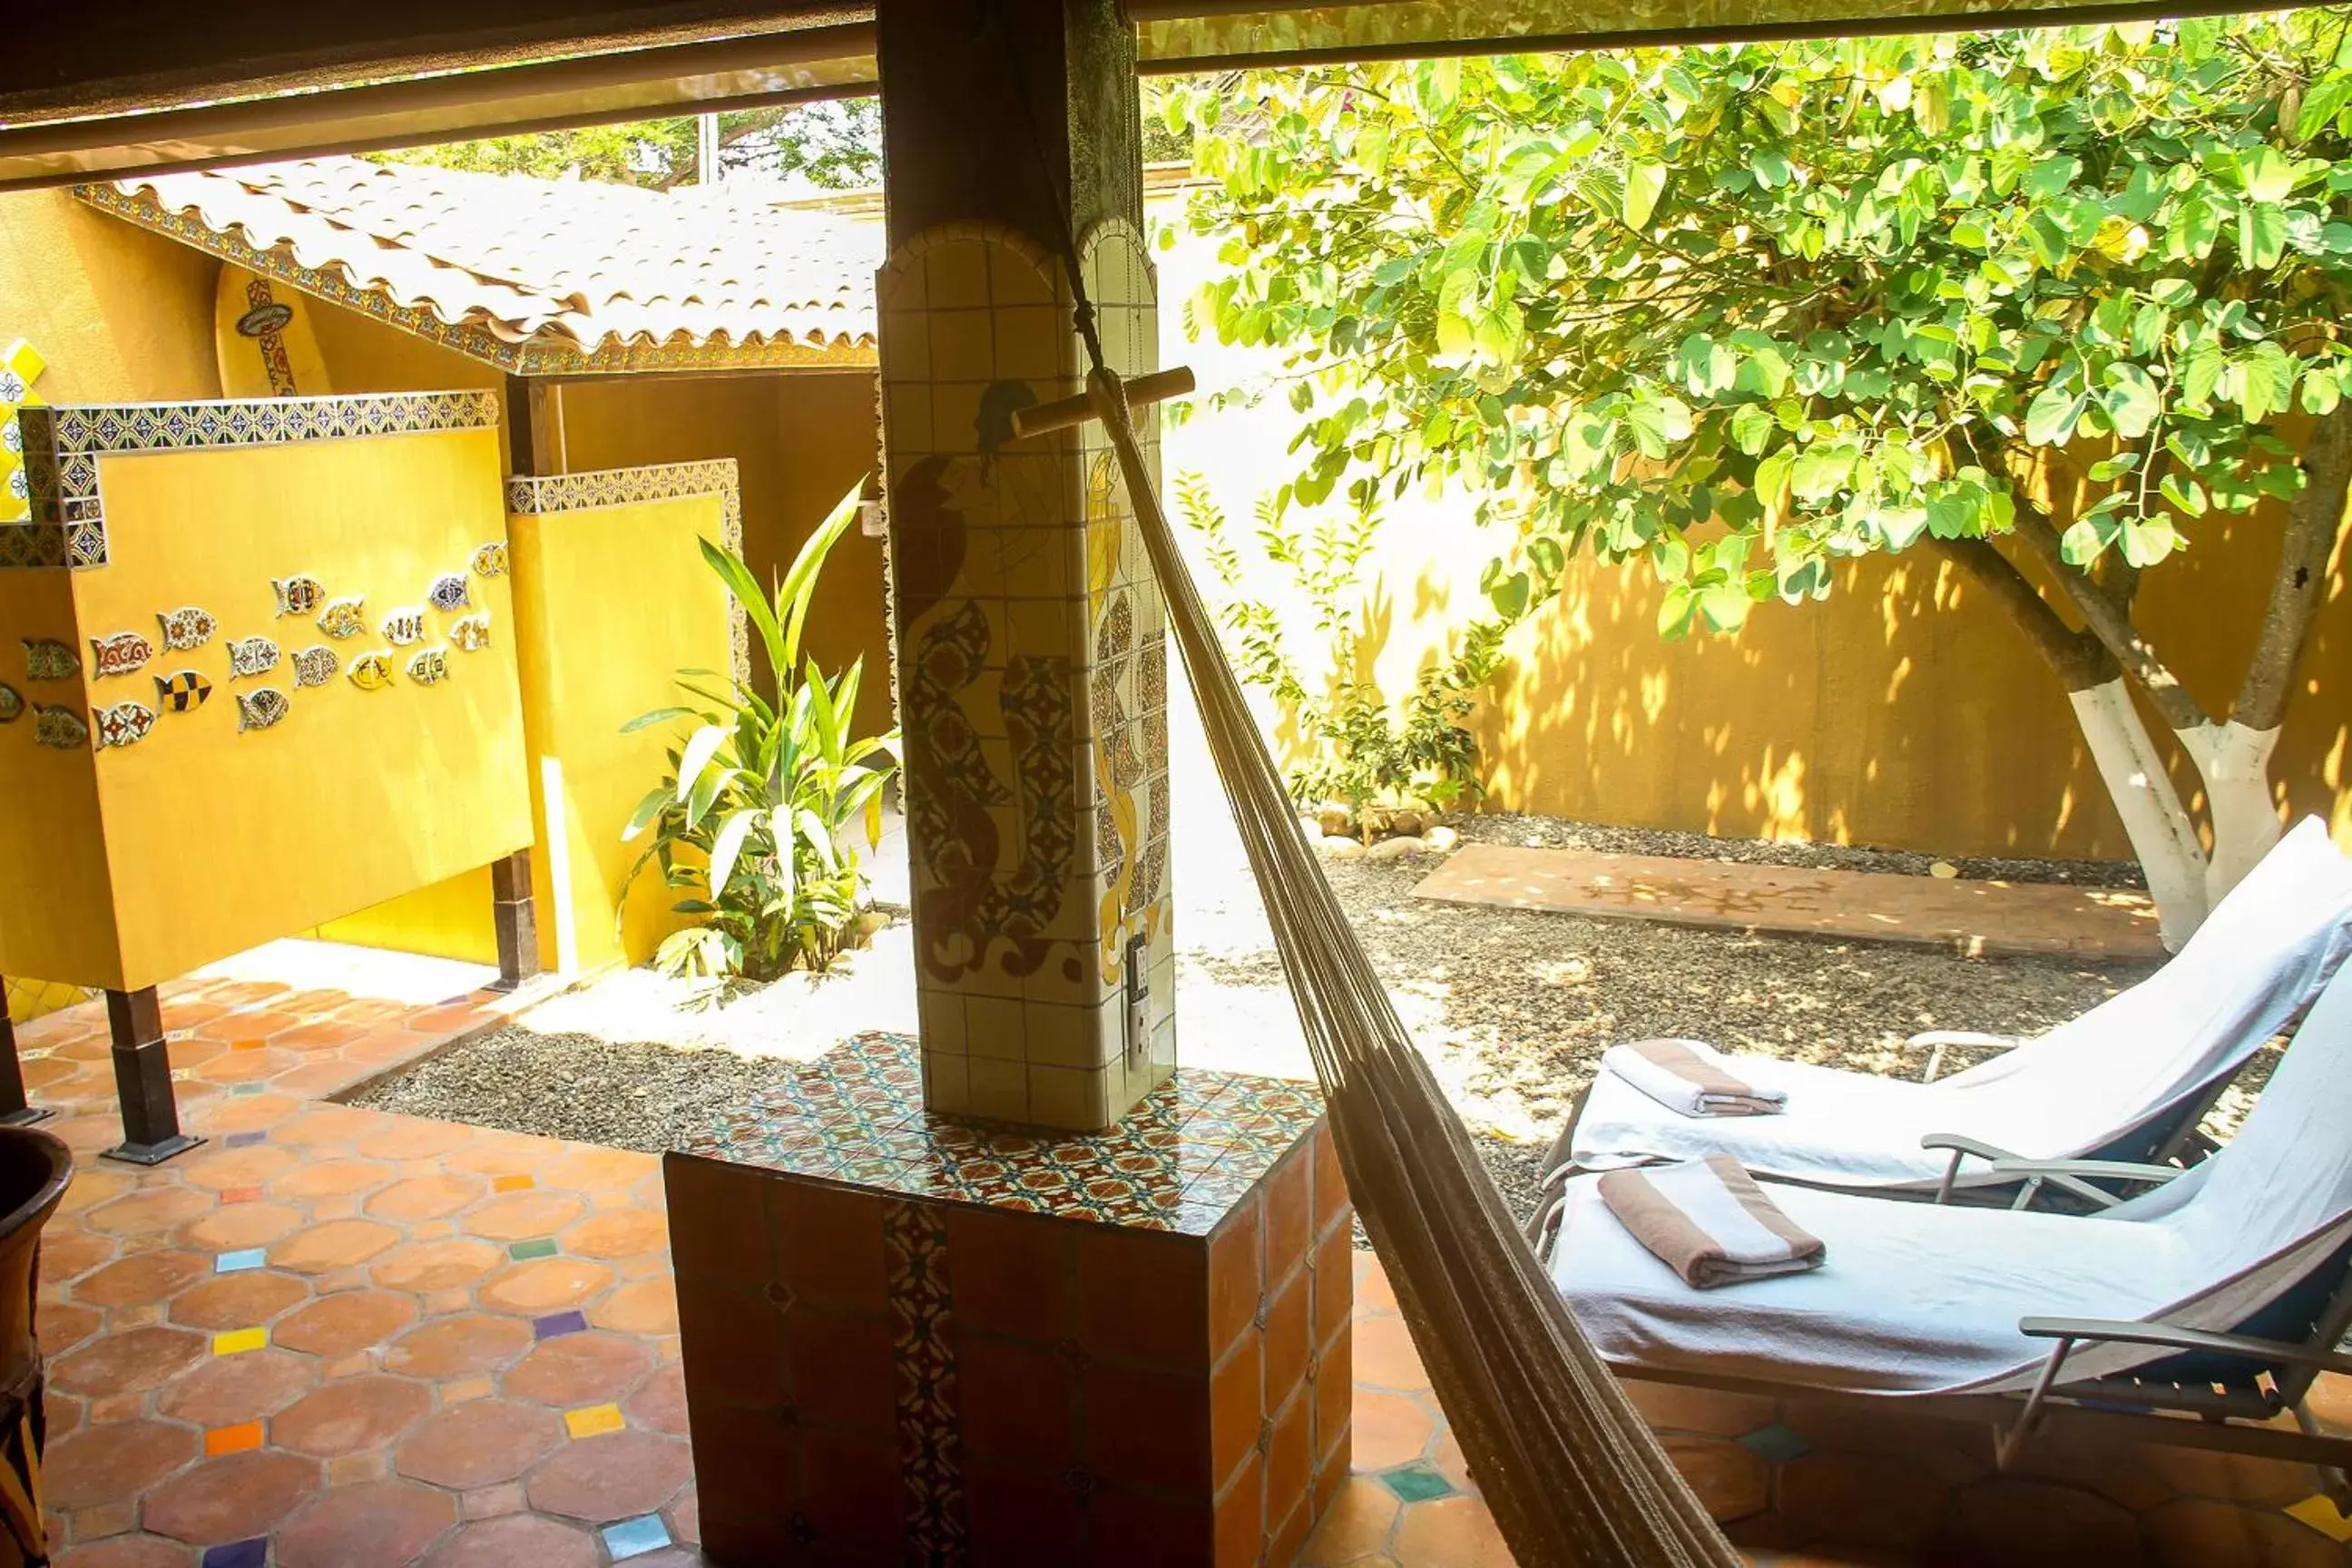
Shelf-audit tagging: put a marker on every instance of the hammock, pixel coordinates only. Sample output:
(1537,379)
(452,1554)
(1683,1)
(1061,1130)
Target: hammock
(1572,1473)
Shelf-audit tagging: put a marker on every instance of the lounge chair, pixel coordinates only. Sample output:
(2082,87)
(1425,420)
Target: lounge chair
(2127,1082)
(2221,1294)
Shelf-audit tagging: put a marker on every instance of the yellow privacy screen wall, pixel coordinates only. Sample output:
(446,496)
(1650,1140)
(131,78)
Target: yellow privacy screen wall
(612,599)
(298,756)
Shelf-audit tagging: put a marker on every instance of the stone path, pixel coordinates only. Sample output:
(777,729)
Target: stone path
(338,1337)
(1972,917)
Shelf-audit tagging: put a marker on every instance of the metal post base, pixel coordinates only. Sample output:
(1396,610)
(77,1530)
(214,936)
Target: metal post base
(25,1117)
(142,1081)
(151,1153)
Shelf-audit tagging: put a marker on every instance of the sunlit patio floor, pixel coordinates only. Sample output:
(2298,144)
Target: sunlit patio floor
(334,1338)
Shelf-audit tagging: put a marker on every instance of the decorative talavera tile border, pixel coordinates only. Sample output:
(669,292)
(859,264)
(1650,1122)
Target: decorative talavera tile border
(532,356)
(62,446)
(595,490)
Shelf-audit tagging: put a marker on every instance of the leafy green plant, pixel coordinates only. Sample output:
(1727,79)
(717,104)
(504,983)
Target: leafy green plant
(1356,748)
(748,820)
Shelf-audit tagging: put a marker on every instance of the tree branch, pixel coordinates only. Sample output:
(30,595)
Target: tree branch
(2080,660)
(2110,621)
(2313,519)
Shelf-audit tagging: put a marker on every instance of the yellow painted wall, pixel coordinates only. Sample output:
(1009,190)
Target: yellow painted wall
(123,316)
(609,604)
(57,919)
(218,840)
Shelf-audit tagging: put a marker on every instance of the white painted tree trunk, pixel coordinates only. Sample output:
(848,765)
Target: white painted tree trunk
(2153,820)
(2235,763)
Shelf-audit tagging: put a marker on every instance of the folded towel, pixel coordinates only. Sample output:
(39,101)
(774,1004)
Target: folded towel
(1709,1222)
(1691,1077)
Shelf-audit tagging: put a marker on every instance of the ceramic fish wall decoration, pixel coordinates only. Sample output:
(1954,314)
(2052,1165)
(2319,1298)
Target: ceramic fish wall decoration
(123,653)
(12,705)
(316,666)
(259,709)
(250,657)
(46,658)
(124,724)
(372,671)
(490,560)
(183,693)
(60,728)
(186,630)
(342,619)
(403,627)
(430,667)
(470,634)
(299,595)
(450,592)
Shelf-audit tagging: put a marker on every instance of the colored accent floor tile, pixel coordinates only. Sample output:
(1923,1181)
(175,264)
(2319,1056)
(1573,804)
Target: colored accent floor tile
(538,1246)
(236,1342)
(635,1536)
(2319,1511)
(398,1416)
(593,1420)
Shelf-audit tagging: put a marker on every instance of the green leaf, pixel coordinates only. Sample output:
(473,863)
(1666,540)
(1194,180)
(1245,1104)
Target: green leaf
(2131,400)
(2052,416)
(658,716)
(1752,428)
(2269,177)
(1645,183)
(727,847)
(693,762)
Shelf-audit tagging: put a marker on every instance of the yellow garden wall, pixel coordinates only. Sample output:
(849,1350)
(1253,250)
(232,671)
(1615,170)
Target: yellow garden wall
(123,316)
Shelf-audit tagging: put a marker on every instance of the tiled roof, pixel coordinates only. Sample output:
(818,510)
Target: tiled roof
(550,268)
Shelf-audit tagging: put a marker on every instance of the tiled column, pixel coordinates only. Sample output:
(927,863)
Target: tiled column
(1030,634)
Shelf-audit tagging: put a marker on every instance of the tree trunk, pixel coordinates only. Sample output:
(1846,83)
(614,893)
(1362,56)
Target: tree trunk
(2234,760)
(2158,825)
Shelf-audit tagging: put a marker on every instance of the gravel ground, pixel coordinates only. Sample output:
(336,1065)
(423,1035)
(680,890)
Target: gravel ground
(1513,1006)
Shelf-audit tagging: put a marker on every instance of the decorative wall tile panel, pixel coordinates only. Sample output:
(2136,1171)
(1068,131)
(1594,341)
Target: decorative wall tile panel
(62,445)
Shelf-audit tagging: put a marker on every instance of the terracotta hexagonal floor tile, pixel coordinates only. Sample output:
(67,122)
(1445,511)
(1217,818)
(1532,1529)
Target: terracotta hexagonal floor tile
(230,1389)
(425,1197)
(143,1279)
(409,1138)
(244,1113)
(335,1244)
(351,1416)
(437,1265)
(375,1525)
(617,1476)
(128,1362)
(2012,1520)
(1389,1430)
(1357,1522)
(68,1254)
(253,1167)
(239,1226)
(1385,1357)
(544,1285)
(332,1178)
(514,1216)
(462,1346)
(644,1307)
(319,1037)
(104,1464)
(1870,1500)
(580,1369)
(660,1405)
(338,1325)
(620,1233)
(62,1326)
(480,1443)
(127,1552)
(145,1213)
(245,1066)
(237,1300)
(516,1539)
(231,1498)
(1452,1532)
(585,1168)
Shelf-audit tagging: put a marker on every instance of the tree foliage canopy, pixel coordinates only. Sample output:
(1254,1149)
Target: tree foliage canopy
(1835,296)
(836,145)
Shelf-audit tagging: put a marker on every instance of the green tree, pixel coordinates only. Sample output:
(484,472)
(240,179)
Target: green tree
(836,145)
(1744,311)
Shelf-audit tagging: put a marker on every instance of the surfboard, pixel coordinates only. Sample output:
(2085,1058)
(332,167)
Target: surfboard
(261,333)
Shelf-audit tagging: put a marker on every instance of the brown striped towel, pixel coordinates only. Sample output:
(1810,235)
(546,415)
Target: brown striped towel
(1691,1077)
(1709,1222)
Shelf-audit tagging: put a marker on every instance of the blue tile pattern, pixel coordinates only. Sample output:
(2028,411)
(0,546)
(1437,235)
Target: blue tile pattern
(635,1536)
(1177,1162)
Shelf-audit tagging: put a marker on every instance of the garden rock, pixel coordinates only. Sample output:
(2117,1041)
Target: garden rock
(1340,846)
(1333,818)
(1395,848)
(1441,840)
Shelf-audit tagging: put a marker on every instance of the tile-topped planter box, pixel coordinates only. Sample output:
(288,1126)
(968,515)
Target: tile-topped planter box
(912,1340)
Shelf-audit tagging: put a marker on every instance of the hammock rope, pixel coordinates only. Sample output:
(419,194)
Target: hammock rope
(1572,1473)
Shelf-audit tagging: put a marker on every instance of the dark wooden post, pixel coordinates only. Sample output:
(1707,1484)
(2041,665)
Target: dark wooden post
(518,924)
(142,1080)
(534,448)
(15,1111)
